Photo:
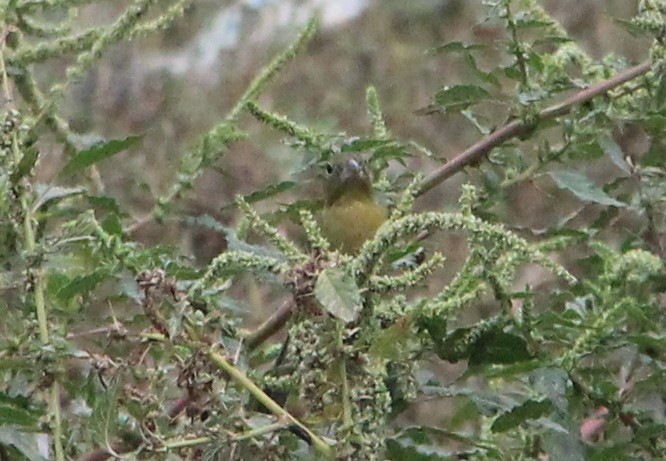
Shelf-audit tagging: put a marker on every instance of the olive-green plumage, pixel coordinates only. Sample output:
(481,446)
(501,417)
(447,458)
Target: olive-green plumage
(351,215)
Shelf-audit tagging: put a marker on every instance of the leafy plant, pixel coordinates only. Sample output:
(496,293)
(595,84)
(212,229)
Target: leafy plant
(568,369)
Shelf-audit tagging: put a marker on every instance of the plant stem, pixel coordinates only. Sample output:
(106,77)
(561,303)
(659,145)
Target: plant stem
(517,128)
(322,447)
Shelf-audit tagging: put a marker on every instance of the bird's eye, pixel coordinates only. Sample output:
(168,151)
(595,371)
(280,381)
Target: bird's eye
(329,168)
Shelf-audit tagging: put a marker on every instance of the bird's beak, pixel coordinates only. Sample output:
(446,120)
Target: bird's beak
(353,169)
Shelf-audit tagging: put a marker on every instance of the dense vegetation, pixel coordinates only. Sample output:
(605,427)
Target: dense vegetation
(464,329)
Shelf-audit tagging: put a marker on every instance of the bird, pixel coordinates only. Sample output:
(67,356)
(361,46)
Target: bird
(350,215)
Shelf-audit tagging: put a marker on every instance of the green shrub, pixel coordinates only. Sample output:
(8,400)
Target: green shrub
(567,365)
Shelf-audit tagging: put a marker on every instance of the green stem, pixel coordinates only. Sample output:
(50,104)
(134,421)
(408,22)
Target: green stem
(29,243)
(322,447)
(236,438)
(346,400)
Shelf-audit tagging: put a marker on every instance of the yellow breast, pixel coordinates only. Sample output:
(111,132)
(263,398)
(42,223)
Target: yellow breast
(348,223)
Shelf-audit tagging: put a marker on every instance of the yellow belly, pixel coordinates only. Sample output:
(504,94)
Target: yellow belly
(347,225)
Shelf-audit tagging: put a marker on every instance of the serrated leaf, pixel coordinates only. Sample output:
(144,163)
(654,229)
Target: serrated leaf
(436,326)
(103,422)
(532,409)
(487,77)
(206,221)
(631,27)
(25,165)
(98,152)
(105,203)
(390,342)
(292,210)
(581,186)
(26,444)
(11,415)
(269,191)
(49,194)
(81,284)
(552,40)
(559,445)
(460,97)
(454,347)
(526,22)
(532,95)
(235,244)
(614,152)
(399,452)
(660,93)
(656,154)
(18,411)
(457,47)
(407,258)
(393,151)
(363,144)
(423,443)
(338,294)
(498,347)
(112,224)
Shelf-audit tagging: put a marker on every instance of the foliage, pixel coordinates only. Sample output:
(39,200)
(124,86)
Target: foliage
(569,369)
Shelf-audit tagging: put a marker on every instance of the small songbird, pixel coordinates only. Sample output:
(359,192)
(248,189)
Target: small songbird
(350,215)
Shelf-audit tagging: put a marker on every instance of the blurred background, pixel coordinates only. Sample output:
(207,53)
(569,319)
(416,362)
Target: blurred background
(172,87)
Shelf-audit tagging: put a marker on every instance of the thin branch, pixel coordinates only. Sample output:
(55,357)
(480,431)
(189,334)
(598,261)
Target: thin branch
(271,326)
(239,377)
(516,128)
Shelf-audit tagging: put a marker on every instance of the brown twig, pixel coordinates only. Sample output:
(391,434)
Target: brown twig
(271,326)
(516,128)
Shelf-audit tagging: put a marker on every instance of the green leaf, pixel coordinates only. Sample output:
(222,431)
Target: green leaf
(631,27)
(24,443)
(48,194)
(292,210)
(614,152)
(498,347)
(81,284)
(532,409)
(552,40)
(581,186)
(390,342)
(235,244)
(407,257)
(525,20)
(424,443)
(533,95)
(98,152)
(269,191)
(12,415)
(586,150)
(435,325)
(363,144)
(393,151)
(656,154)
(459,97)
(457,47)
(660,93)
(27,162)
(18,411)
(551,383)
(454,347)
(398,451)
(487,77)
(103,423)
(337,292)
(102,202)
(112,224)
